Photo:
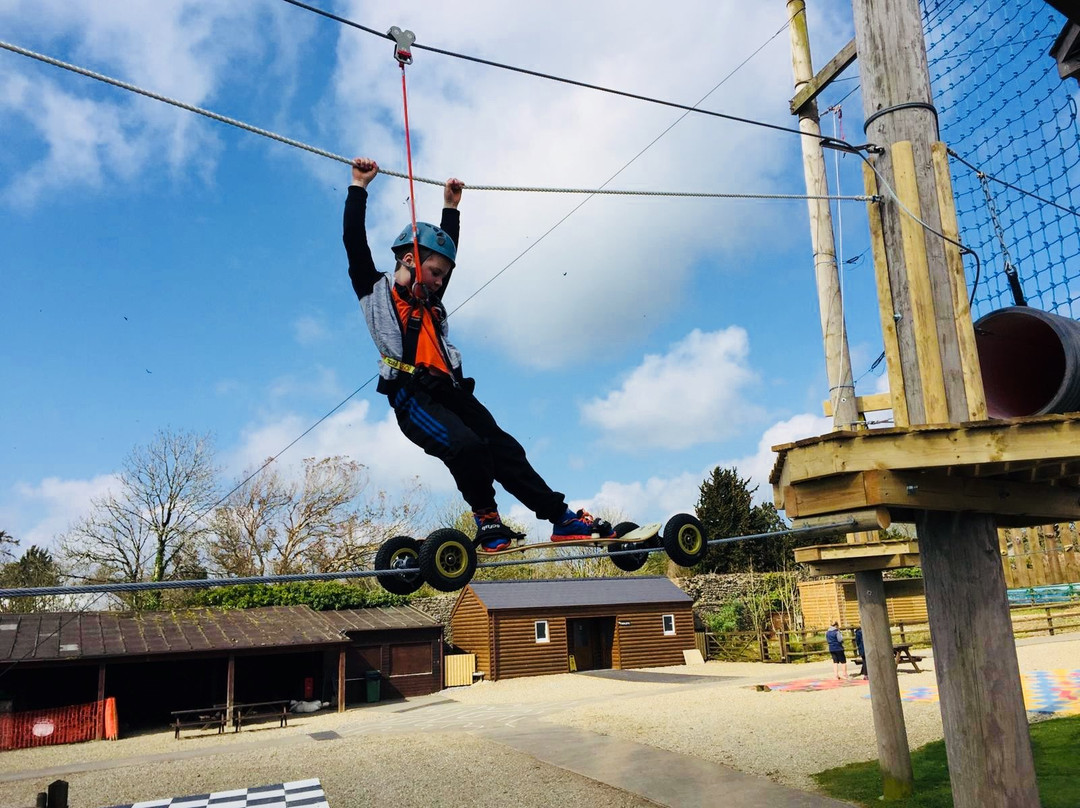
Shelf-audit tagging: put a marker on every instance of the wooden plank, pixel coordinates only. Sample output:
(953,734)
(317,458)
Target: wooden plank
(885,303)
(460,669)
(1053,557)
(952,446)
(873,519)
(843,552)
(927,347)
(876,402)
(937,492)
(836,494)
(965,332)
(850,565)
(837,65)
(1006,559)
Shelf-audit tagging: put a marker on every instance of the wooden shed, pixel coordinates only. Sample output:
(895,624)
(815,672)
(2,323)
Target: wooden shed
(823,601)
(530,628)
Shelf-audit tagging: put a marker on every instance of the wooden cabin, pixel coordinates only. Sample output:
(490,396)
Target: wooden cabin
(531,628)
(823,601)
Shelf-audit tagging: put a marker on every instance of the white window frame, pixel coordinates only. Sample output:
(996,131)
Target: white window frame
(664,622)
(542,635)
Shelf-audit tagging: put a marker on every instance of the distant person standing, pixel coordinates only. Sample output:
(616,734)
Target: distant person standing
(836,648)
(861,650)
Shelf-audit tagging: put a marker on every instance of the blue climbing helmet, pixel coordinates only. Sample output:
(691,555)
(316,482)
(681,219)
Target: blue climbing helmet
(429,237)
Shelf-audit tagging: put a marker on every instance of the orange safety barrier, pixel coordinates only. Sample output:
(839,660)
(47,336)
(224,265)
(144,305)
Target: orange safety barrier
(57,725)
(112,729)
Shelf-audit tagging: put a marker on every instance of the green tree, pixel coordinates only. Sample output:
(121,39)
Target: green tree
(36,568)
(726,508)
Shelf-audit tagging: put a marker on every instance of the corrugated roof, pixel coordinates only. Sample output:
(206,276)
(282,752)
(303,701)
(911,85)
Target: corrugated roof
(66,635)
(496,595)
(380,619)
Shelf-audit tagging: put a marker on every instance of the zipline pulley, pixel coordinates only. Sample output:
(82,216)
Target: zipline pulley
(403,43)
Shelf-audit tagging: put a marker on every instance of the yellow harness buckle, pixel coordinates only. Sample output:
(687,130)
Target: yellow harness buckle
(398,365)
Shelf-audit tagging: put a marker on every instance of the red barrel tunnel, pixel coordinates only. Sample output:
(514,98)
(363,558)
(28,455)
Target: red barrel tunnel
(1030,362)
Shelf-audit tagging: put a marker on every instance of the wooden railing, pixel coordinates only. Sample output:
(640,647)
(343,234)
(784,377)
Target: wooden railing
(809,644)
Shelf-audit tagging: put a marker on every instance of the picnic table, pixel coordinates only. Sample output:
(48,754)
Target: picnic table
(260,711)
(204,718)
(903,656)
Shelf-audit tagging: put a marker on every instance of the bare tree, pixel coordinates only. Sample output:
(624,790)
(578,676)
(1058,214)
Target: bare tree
(322,523)
(8,543)
(139,532)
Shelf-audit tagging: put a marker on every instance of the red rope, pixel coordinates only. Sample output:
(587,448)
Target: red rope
(412,191)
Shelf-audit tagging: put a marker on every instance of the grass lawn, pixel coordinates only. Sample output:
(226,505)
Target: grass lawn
(1057,766)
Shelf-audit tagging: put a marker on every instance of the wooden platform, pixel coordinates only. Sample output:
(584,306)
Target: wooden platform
(842,559)
(1025,471)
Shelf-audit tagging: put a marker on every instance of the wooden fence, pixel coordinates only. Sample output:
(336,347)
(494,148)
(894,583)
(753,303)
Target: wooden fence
(459,669)
(1040,556)
(809,644)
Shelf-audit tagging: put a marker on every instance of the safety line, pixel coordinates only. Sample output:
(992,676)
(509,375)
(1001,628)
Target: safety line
(208,583)
(341,159)
(562,80)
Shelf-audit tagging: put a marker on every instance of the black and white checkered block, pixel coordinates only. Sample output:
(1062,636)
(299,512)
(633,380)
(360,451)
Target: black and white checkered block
(299,794)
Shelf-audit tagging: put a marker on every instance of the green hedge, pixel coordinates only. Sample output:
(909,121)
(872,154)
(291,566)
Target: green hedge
(321,596)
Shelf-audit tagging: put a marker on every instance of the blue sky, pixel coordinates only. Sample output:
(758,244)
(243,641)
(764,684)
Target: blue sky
(161,270)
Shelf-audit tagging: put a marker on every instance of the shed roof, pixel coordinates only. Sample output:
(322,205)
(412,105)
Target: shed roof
(566,592)
(96,635)
(382,618)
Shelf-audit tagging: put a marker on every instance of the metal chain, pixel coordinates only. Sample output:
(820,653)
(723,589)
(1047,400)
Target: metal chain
(1011,275)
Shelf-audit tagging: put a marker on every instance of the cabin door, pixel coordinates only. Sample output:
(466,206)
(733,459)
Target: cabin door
(590,640)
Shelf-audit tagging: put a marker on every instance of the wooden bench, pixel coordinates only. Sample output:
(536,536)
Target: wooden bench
(260,711)
(204,718)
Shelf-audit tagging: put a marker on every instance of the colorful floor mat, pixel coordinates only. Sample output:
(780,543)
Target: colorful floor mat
(1056,691)
(807,685)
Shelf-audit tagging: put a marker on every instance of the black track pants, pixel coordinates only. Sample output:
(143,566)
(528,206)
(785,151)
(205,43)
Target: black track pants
(452,425)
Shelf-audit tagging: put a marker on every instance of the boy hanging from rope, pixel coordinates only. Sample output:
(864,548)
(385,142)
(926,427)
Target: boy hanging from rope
(420,371)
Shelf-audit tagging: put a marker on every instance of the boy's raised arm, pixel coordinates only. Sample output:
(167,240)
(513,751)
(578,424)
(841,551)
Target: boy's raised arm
(362,270)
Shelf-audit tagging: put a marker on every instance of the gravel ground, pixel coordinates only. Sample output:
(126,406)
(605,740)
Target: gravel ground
(785,736)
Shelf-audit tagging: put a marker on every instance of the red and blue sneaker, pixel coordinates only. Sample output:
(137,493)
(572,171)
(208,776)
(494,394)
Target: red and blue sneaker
(491,534)
(581,526)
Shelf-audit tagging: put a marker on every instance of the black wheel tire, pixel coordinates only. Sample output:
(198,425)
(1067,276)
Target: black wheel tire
(447,559)
(629,562)
(400,552)
(684,540)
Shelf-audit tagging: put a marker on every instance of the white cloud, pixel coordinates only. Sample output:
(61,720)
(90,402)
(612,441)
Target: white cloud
(308,330)
(183,49)
(49,508)
(691,395)
(354,431)
(657,498)
(321,383)
(618,267)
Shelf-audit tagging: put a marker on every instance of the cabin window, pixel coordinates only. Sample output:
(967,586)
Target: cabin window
(541,631)
(669,625)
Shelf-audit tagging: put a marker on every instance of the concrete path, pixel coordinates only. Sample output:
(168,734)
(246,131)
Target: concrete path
(667,778)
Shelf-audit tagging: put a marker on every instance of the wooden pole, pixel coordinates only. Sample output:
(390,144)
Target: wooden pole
(99,733)
(341,681)
(982,704)
(230,688)
(986,728)
(830,303)
(894,757)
